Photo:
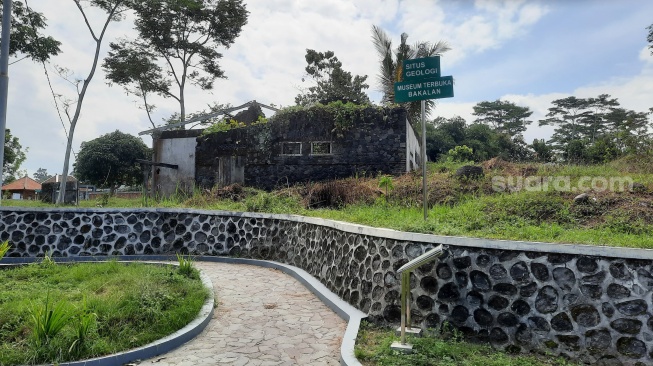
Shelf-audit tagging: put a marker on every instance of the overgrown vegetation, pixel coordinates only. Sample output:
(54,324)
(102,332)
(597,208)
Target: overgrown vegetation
(56,313)
(343,114)
(441,349)
(230,124)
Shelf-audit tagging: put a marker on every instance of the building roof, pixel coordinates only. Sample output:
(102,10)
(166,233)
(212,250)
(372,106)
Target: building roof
(204,117)
(22,184)
(57,179)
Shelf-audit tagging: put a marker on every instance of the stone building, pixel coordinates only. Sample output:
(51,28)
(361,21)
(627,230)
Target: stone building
(298,146)
(50,189)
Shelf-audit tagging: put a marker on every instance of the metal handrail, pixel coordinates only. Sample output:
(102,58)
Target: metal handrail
(417,262)
(405,271)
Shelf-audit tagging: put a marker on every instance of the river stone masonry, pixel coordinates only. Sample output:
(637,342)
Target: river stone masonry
(592,304)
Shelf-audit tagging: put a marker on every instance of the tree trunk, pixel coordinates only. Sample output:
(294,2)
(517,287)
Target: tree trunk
(80,100)
(182,101)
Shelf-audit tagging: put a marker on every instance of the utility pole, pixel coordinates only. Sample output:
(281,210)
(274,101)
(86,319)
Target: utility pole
(4,79)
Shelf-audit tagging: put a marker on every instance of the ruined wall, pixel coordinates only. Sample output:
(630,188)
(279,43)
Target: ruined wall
(374,142)
(50,191)
(175,147)
(590,303)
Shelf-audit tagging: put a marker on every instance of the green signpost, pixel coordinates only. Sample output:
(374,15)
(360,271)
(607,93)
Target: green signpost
(424,88)
(421,80)
(419,68)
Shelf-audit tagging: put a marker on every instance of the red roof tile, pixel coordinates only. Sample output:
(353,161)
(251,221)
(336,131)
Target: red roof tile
(25,183)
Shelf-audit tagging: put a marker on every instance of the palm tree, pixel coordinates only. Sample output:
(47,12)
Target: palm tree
(391,62)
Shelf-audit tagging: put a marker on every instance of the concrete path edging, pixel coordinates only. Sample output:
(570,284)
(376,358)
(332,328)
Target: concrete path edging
(344,310)
(158,347)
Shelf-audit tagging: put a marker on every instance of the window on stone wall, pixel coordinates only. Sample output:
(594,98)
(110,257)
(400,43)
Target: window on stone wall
(321,148)
(292,148)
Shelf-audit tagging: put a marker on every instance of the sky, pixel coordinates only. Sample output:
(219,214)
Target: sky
(525,51)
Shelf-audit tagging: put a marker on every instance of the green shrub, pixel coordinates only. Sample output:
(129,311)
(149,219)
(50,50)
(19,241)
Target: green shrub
(4,248)
(385,182)
(186,267)
(460,153)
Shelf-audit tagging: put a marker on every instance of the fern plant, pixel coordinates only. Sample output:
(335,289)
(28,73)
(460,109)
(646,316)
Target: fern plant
(85,320)
(4,248)
(185,265)
(48,320)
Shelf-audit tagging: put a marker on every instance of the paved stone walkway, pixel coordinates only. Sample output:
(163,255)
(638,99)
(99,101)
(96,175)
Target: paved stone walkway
(264,317)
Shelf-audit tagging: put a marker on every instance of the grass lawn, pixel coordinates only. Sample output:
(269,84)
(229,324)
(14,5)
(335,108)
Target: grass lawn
(100,308)
(373,348)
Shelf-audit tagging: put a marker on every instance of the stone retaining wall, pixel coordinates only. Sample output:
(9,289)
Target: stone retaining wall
(586,302)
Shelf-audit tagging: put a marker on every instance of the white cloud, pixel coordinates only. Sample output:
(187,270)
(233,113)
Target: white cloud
(633,93)
(646,55)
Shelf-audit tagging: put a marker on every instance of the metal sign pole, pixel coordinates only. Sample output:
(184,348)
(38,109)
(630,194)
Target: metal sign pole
(424,159)
(4,80)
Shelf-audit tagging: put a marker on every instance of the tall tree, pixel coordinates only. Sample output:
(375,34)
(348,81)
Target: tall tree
(443,134)
(594,124)
(41,174)
(597,129)
(26,39)
(13,158)
(137,73)
(110,160)
(504,116)
(629,130)
(332,82)
(391,60)
(567,115)
(185,36)
(112,10)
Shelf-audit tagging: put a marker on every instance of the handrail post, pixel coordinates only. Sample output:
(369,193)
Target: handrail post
(404,304)
(405,271)
(407,291)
